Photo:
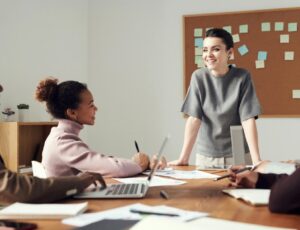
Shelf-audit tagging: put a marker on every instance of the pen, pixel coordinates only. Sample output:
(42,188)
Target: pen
(153,213)
(236,172)
(164,194)
(137,146)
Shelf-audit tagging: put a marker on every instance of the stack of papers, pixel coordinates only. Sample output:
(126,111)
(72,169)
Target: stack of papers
(255,197)
(181,174)
(42,211)
(125,214)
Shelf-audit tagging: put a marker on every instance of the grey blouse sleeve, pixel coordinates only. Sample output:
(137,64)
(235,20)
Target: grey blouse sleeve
(192,103)
(249,106)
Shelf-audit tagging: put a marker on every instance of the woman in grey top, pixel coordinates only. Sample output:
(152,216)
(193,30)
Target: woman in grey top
(219,96)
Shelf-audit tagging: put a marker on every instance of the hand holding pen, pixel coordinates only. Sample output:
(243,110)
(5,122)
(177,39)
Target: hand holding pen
(141,159)
(233,171)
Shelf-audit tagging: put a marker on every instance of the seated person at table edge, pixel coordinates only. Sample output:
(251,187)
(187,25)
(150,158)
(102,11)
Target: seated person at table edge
(64,153)
(285,190)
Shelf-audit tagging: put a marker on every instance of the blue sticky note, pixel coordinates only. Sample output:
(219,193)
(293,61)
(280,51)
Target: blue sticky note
(243,50)
(262,55)
(199,42)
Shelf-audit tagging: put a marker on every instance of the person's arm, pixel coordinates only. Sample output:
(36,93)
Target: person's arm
(76,154)
(23,188)
(250,131)
(190,134)
(285,194)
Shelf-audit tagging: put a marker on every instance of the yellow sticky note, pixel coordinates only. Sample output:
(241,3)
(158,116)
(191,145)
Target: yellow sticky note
(265,26)
(292,27)
(227,28)
(296,94)
(198,51)
(289,55)
(236,38)
(279,26)
(284,38)
(243,29)
(259,64)
(198,32)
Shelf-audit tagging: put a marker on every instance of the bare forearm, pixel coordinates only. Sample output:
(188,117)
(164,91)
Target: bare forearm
(190,134)
(251,135)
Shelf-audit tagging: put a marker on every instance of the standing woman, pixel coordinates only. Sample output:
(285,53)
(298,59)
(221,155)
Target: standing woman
(219,96)
(64,153)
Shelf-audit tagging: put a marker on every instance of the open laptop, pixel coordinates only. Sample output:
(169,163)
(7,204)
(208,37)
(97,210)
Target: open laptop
(125,190)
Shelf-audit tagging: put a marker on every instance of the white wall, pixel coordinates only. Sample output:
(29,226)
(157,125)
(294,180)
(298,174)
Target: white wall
(40,38)
(136,74)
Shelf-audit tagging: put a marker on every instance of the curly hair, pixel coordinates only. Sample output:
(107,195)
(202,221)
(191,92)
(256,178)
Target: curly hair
(59,97)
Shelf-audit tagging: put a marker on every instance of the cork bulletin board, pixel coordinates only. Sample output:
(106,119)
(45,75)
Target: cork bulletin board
(266,42)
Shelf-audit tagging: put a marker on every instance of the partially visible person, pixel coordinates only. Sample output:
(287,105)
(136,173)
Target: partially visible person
(285,189)
(64,153)
(219,96)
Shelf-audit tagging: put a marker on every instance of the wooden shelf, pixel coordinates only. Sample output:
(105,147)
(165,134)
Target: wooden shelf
(22,142)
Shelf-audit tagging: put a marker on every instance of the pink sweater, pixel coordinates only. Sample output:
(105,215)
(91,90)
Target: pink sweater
(65,154)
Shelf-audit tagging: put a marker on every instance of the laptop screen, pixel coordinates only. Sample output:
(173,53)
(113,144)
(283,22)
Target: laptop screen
(158,158)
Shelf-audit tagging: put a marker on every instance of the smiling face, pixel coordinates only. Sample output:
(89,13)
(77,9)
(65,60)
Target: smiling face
(85,114)
(215,55)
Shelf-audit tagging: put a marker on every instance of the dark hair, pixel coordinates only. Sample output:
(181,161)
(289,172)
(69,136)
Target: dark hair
(223,34)
(59,97)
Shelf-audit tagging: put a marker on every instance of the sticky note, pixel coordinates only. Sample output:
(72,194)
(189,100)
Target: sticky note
(243,50)
(199,42)
(279,26)
(227,28)
(198,59)
(265,26)
(198,32)
(262,55)
(284,38)
(198,51)
(243,29)
(236,38)
(259,64)
(296,94)
(292,26)
(289,55)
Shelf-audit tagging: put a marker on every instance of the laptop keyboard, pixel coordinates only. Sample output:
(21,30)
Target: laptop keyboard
(121,189)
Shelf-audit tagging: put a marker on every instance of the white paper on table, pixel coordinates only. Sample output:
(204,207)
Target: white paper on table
(115,213)
(125,213)
(180,174)
(207,223)
(155,181)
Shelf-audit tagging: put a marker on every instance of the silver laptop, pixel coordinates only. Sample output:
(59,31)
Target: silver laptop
(237,145)
(125,190)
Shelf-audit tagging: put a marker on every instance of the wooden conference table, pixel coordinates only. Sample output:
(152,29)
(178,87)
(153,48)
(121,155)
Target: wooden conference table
(197,195)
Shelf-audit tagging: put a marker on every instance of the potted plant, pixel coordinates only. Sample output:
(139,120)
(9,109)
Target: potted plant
(23,111)
(8,112)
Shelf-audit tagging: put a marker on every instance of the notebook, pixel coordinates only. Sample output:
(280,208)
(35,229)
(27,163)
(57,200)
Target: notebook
(126,190)
(257,197)
(42,211)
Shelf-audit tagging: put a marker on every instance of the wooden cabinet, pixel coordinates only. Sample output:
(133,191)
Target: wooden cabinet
(22,142)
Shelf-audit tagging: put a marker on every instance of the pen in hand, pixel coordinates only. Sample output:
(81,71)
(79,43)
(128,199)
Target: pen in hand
(136,146)
(236,172)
